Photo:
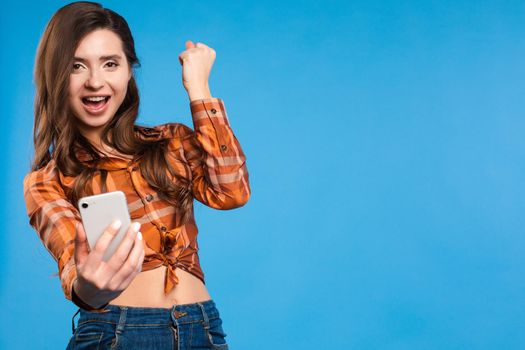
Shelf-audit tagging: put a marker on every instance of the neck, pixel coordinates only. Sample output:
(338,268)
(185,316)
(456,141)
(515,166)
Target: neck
(94,136)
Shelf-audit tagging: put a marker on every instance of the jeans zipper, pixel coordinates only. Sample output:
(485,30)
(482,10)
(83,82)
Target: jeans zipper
(175,338)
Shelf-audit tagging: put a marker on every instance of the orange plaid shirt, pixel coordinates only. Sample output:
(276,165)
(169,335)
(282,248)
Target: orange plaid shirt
(210,156)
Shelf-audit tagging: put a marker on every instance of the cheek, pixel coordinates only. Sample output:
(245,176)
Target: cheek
(74,87)
(121,85)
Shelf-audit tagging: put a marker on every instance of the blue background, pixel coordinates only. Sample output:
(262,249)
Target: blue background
(385,144)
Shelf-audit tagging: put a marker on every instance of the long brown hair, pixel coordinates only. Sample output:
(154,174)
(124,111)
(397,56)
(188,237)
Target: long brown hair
(55,134)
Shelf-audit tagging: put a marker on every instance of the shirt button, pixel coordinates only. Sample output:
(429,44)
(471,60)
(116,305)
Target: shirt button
(224,147)
(149,197)
(213,110)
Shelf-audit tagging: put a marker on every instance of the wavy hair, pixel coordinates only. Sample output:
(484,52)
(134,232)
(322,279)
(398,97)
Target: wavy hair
(55,133)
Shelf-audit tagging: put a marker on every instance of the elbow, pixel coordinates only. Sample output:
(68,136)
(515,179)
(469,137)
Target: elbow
(227,196)
(236,201)
(241,192)
(242,200)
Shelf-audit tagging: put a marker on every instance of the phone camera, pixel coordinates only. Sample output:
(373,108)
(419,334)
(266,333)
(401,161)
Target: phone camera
(84,205)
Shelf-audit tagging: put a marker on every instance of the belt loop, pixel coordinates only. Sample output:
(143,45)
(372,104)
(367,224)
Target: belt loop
(73,321)
(205,317)
(122,319)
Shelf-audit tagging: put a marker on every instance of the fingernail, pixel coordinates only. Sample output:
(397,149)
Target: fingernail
(136,226)
(116,224)
(139,235)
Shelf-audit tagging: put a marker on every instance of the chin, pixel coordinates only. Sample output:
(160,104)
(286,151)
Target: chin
(87,122)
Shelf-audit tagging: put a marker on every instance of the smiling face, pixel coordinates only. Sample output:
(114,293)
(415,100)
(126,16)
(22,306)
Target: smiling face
(98,81)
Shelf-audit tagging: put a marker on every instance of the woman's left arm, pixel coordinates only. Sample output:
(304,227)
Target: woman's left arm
(218,164)
(216,159)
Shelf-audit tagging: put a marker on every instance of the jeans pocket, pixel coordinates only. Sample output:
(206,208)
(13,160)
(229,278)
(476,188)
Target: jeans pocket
(92,336)
(87,340)
(216,335)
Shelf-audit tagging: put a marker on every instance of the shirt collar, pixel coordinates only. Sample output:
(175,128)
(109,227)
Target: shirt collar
(115,162)
(107,163)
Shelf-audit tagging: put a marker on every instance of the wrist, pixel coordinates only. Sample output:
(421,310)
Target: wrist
(199,93)
(82,302)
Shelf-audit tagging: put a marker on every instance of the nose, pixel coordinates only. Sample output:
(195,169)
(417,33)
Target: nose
(95,80)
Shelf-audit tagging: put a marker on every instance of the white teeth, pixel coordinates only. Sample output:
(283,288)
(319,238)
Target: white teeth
(96,99)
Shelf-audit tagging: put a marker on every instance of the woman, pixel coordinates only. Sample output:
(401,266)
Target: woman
(151,293)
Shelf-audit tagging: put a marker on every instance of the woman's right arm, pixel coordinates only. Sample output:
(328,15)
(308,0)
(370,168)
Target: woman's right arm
(56,221)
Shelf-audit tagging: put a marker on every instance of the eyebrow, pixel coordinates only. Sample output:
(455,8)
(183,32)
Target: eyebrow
(102,58)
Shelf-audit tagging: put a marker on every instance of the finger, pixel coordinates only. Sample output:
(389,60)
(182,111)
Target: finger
(130,269)
(81,244)
(104,240)
(131,277)
(200,45)
(120,255)
(183,56)
(135,256)
(189,44)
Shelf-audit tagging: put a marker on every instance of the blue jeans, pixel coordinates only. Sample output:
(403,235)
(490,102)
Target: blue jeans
(184,326)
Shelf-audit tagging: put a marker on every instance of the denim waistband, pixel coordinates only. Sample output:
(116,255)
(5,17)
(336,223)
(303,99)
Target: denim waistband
(184,313)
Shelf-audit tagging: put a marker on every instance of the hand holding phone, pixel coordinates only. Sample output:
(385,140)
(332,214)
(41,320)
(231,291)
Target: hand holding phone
(103,274)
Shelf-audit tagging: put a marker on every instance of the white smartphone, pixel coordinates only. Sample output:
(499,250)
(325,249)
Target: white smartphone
(98,212)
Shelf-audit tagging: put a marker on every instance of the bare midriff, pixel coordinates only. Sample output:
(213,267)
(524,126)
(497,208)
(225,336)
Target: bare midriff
(147,290)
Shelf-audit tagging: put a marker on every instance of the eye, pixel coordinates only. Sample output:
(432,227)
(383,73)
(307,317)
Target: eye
(114,63)
(75,66)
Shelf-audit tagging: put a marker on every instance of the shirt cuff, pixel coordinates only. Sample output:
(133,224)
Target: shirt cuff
(209,109)
(212,112)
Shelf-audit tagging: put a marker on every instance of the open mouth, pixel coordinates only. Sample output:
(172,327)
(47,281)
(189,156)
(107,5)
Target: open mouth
(95,103)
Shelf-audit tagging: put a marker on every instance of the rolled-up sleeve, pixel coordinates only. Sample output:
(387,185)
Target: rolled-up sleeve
(54,218)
